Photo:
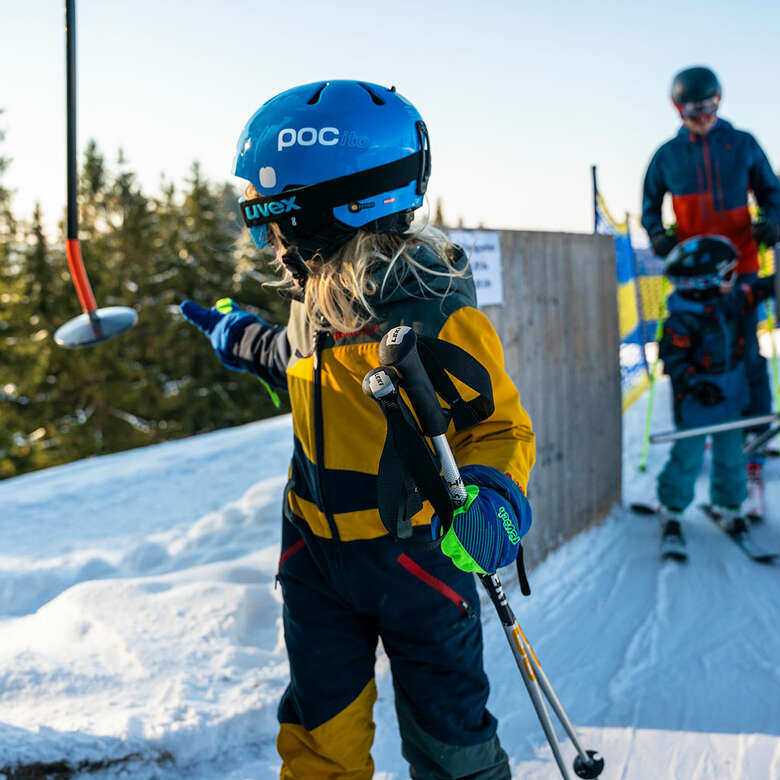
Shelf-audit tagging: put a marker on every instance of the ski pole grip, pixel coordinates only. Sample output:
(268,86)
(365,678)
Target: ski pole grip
(381,383)
(398,348)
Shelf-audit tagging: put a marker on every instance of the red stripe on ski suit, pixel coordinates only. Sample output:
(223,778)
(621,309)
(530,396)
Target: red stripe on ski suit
(435,583)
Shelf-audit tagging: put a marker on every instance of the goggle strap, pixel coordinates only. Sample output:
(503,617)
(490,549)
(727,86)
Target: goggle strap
(348,189)
(704,282)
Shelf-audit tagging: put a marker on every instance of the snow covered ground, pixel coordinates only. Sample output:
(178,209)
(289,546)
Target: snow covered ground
(140,627)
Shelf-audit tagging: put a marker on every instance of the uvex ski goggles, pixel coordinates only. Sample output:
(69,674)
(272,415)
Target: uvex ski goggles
(299,202)
(706,107)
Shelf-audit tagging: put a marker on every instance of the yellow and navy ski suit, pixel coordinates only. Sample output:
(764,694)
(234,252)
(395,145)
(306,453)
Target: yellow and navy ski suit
(346,582)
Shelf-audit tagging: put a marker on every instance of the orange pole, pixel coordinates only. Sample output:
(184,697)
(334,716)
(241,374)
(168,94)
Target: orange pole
(79,274)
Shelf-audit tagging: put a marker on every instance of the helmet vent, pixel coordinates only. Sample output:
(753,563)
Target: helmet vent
(316,96)
(377,100)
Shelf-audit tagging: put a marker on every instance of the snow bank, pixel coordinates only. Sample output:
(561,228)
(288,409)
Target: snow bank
(140,630)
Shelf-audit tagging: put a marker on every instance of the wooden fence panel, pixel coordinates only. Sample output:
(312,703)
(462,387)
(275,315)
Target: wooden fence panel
(559,328)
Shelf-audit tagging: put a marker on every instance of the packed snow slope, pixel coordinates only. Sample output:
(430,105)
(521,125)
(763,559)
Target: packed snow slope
(140,628)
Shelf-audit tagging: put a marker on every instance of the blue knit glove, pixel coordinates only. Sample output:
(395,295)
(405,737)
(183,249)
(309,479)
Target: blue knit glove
(486,532)
(223,325)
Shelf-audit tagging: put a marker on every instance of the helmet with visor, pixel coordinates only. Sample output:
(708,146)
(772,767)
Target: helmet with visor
(325,159)
(696,92)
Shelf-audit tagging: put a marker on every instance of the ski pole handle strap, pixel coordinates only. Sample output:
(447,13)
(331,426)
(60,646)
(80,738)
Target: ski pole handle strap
(408,474)
(436,356)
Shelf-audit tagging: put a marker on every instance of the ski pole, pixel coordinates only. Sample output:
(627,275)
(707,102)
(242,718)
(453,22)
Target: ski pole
(659,331)
(771,325)
(398,349)
(704,430)
(771,313)
(762,438)
(94,325)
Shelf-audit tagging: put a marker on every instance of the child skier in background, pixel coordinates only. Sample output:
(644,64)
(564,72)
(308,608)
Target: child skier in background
(335,171)
(703,350)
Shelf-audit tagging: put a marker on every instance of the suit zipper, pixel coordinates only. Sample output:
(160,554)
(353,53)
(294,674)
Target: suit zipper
(415,569)
(319,436)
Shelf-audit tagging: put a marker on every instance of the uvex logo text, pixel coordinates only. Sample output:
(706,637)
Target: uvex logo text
(307,136)
(281,206)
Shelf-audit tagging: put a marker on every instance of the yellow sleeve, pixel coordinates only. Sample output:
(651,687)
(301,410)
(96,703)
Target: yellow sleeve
(505,440)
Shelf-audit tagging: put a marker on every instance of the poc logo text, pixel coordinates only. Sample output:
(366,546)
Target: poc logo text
(307,136)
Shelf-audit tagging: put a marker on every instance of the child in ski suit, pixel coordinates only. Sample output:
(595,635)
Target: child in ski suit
(703,351)
(335,171)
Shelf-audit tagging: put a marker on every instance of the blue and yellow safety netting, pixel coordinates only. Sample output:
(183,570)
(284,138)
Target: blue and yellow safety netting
(640,300)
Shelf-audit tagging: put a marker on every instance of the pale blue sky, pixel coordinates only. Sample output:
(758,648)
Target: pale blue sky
(520,98)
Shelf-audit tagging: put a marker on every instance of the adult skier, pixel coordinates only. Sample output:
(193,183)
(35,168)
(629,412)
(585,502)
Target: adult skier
(708,168)
(334,172)
(703,350)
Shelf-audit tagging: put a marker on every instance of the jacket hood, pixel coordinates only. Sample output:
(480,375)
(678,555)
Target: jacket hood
(435,280)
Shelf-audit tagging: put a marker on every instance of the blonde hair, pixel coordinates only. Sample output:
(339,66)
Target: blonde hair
(340,287)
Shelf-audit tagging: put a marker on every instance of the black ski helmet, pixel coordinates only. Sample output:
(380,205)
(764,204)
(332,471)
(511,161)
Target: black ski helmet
(693,85)
(700,265)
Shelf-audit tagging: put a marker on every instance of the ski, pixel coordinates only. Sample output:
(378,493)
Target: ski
(672,540)
(644,509)
(741,537)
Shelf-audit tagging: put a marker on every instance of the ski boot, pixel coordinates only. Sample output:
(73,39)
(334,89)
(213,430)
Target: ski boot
(729,519)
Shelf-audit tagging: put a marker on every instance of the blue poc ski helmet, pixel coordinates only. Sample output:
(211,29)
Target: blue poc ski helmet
(330,157)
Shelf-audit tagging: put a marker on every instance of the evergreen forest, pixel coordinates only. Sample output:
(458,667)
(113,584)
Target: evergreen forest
(161,379)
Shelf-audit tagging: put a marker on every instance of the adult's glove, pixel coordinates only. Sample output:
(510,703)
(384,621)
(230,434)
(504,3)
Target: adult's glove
(486,532)
(663,243)
(707,394)
(766,233)
(223,325)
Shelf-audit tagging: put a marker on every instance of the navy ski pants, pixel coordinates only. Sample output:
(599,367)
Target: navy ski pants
(339,599)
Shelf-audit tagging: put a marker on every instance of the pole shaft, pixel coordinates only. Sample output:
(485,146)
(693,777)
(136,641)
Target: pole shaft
(70,79)
(532,686)
(760,440)
(72,247)
(704,430)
